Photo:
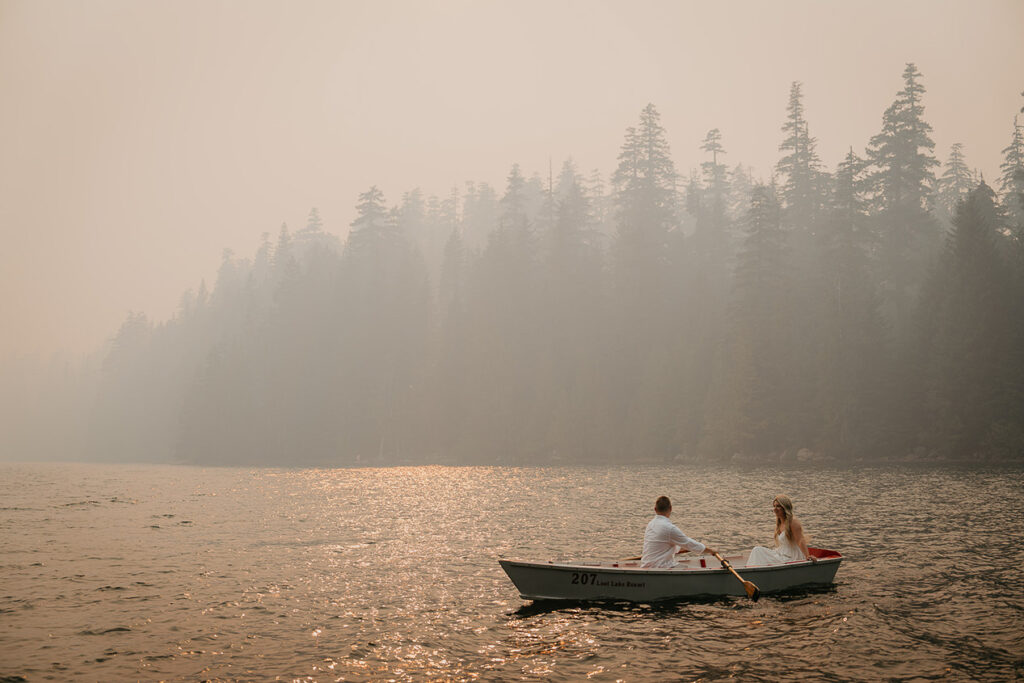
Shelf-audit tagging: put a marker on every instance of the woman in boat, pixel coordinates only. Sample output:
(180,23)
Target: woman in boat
(790,545)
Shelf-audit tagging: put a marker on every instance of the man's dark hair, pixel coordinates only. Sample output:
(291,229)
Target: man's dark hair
(663,504)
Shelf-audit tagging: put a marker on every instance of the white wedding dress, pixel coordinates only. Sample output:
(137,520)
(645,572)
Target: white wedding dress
(787,551)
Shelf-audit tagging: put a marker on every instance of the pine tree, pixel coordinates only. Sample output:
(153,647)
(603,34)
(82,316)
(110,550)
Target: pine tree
(503,307)
(450,380)
(312,242)
(427,225)
(372,211)
(901,153)
(645,202)
(412,216)
(514,216)
(694,215)
(572,231)
(748,406)
(314,223)
(646,209)
(479,215)
(966,335)
(852,355)
(1007,438)
(799,169)
(374,226)
(262,261)
(715,172)
(645,182)
(956,181)
(710,206)
(569,180)
(1011,181)
(848,201)
(803,191)
(282,250)
(571,323)
(741,184)
(384,292)
(511,247)
(595,189)
(761,263)
(900,178)
(449,212)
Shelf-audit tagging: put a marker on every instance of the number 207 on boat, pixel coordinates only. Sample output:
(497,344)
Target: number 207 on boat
(584,578)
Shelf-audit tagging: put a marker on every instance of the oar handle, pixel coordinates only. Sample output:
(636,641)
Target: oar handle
(725,563)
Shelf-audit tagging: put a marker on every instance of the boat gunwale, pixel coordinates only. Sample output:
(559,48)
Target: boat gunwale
(609,569)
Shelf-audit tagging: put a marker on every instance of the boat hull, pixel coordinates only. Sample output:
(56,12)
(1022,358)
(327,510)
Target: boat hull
(615,581)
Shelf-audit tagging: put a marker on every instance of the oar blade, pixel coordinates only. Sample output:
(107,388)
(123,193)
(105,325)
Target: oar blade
(753,592)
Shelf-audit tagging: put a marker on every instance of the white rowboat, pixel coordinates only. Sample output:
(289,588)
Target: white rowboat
(693,576)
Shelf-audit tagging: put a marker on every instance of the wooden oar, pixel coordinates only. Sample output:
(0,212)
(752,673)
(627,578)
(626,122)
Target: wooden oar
(638,557)
(753,592)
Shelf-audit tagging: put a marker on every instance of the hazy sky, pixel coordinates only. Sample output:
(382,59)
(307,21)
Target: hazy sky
(139,139)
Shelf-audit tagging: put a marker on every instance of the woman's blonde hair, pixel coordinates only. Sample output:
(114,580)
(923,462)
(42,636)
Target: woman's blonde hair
(787,516)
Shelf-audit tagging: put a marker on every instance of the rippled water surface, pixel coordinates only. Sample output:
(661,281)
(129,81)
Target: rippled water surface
(148,572)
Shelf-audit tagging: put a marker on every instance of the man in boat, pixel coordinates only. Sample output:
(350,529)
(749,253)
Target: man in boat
(663,539)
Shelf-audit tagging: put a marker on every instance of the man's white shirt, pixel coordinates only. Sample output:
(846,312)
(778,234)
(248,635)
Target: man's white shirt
(661,542)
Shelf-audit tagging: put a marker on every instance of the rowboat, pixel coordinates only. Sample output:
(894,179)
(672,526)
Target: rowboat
(693,576)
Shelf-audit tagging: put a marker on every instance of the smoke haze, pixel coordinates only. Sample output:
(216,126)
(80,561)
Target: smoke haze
(141,139)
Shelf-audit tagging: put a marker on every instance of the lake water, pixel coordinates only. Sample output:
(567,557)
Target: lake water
(119,572)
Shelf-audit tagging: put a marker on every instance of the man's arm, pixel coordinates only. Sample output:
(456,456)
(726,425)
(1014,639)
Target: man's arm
(684,541)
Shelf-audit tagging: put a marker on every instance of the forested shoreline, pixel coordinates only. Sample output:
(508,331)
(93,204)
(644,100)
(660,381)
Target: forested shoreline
(870,312)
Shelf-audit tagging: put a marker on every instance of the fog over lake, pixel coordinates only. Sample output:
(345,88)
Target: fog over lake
(312,312)
(508,234)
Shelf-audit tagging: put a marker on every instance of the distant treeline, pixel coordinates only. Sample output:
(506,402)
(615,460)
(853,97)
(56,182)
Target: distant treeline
(873,312)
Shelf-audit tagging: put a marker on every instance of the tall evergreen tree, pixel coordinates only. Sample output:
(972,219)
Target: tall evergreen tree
(715,172)
(479,215)
(966,335)
(282,250)
(710,207)
(412,217)
(901,153)
(748,408)
(901,163)
(600,202)
(504,311)
(373,227)
(1011,181)
(314,223)
(451,374)
(312,241)
(514,214)
(741,184)
(385,294)
(799,170)
(645,195)
(646,210)
(853,363)
(572,323)
(448,218)
(803,187)
(956,181)
(700,281)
